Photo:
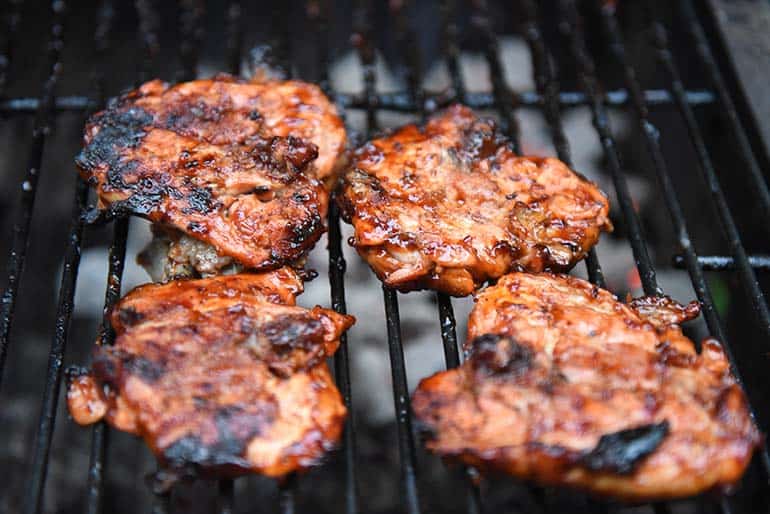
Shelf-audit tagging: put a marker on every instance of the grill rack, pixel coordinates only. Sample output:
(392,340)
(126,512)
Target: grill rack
(547,97)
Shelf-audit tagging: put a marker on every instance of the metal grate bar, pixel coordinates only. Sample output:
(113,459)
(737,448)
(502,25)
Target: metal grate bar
(226,497)
(572,30)
(234,36)
(28,187)
(33,497)
(401,400)
(341,358)
(724,262)
(504,98)
(337,267)
(147,34)
(148,41)
(400,101)
(727,107)
(745,273)
(452,49)
(410,52)
(191,31)
(97,467)
(652,136)
(116,256)
(44,435)
(286,497)
(12,18)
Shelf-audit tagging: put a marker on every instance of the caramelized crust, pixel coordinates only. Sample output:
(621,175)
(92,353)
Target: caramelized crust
(230,163)
(220,376)
(448,206)
(564,385)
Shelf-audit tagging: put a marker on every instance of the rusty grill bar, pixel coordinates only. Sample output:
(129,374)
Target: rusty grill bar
(548,98)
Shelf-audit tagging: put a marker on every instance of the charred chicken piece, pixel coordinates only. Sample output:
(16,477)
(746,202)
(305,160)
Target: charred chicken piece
(449,206)
(219,161)
(564,385)
(220,376)
(225,111)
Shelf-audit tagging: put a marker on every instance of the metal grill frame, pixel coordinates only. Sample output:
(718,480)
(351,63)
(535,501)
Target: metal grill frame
(547,97)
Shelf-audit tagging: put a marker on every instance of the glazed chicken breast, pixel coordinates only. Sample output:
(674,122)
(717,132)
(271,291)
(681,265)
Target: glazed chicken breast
(236,165)
(565,385)
(220,376)
(448,206)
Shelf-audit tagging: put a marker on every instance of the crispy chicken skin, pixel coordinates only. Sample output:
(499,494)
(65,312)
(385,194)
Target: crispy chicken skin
(233,164)
(565,385)
(220,376)
(449,205)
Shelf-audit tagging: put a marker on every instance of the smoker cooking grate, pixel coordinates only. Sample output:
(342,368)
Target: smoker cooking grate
(414,100)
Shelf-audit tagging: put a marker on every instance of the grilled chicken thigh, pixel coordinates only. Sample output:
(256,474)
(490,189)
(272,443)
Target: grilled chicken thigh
(220,376)
(449,205)
(235,165)
(564,385)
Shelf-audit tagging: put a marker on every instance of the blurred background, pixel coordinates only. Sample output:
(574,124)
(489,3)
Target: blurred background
(378,472)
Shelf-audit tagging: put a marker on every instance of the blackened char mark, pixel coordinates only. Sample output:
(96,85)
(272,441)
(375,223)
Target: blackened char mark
(287,333)
(496,354)
(111,366)
(200,200)
(129,316)
(148,370)
(235,427)
(620,452)
(118,130)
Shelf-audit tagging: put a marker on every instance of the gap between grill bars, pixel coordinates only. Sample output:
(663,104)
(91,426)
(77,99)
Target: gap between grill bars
(548,98)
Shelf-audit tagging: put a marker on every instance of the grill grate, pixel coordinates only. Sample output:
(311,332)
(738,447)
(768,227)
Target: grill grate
(414,100)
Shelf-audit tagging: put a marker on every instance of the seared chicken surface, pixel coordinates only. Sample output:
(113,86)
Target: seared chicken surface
(236,165)
(220,376)
(565,385)
(449,206)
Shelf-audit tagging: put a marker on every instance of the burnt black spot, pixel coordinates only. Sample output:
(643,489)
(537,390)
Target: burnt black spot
(493,353)
(147,370)
(235,426)
(200,200)
(106,365)
(288,332)
(129,316)
(620,452)
(196,228)
(186,450)
(118,130)
(255,116)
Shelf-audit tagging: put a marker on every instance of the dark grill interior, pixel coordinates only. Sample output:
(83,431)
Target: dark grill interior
(662,67)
